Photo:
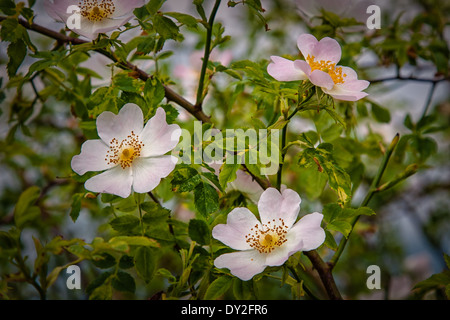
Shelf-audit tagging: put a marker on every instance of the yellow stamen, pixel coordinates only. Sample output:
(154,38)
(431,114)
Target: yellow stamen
(328,67)
(96,10)
(125,152)
(268,237)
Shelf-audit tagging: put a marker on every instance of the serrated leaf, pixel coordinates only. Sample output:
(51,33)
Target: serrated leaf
(124,223)
(183,18)
(75,207)
(145,263)
(104,261)
(185,179)
(218,287)
(123,281)
(153,92)
(206,199)
(340,219)
(228,173)
(165,27)
(16,52)
(199,231)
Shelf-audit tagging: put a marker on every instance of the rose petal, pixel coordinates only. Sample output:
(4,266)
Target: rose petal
(349,91)
(119,126)
(308,231)
(321,79)
(280,254)
(103,26)
(306,44)
(148,172)
(349,73)
(159,137)
(327,49)
(114,181)
(303,65)
(91,158)
(284,70)
(242,264)
(353,85)
(240,221)
(355,96)
(58,9)
(246,185)
(275,205)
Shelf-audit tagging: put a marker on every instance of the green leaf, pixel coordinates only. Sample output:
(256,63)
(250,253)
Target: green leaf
(380,114)
(16,51)
(104,261)
(154,5)
(279,124)
(213,179)
(242,290)
(183,18)
(206,199)
(165,27)
(218,288)
(7,242)
(330,242)
(153,92)
(340,219)
(124,223)
(185,179)
(228,173)
(134,241)
(322,158)
(124,282)
(25,211)
(145,262)
(75,207)
(171,113)
(100,287)
(408,122)
(425,146)
(125,83)
(199,231)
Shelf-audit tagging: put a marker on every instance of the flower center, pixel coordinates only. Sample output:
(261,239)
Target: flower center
(267,237)
(328,67)
(96,10)
(124,152)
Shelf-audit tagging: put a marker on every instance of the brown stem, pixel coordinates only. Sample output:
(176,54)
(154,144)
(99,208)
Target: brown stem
(324,271)
(169,93)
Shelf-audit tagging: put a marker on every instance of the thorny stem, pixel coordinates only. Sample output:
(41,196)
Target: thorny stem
(209,29)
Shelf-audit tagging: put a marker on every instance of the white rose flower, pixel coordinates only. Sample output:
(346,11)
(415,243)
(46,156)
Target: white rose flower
(271,241)
(95,16)
(131,156)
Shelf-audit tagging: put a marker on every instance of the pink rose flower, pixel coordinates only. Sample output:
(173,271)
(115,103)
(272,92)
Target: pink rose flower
(321,68)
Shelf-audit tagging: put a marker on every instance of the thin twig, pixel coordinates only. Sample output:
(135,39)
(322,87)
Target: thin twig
(209,29)
(169,93)
(411,78)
